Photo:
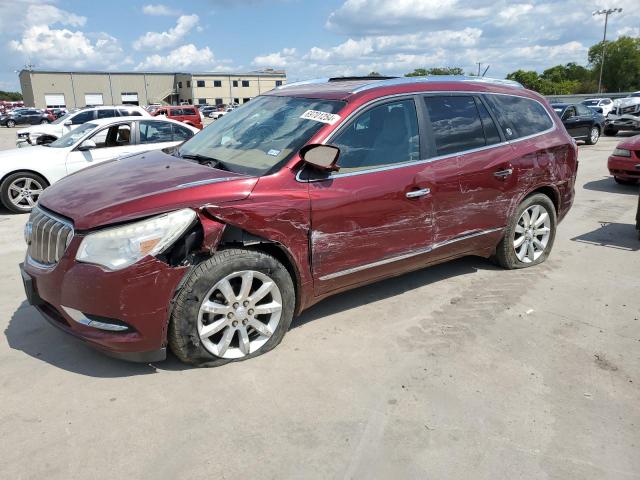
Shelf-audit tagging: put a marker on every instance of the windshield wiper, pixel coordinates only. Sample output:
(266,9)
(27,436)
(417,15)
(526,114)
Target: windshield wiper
(204,160)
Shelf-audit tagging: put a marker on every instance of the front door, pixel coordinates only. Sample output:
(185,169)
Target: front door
(376,211)
(111,142)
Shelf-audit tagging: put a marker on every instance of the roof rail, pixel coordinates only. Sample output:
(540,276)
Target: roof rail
(364,77)
(437,78)
(303,82)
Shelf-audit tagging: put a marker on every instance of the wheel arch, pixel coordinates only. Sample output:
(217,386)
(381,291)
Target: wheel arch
(25,170)
(549,191)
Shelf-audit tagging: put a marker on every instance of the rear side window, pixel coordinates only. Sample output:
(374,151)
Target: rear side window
(383,135)
(181,133)
(82,117)
(155,132)
(106,113)
(518,116)
(490,130)
(583,111)
(189,111)
(455,123)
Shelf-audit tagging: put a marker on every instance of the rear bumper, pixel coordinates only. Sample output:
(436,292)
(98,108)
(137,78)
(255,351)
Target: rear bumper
(624,167)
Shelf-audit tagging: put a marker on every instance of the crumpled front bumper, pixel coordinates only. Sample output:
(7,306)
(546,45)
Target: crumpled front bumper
(623,122)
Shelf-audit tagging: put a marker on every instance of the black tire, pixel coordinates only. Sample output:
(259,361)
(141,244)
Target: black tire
(183,336)
(4,189)
(505,255)
(610,132)
(625,181)
(11,124)
(594,132)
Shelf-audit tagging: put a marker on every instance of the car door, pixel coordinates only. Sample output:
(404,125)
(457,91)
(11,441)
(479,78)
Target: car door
(374,214)
(586,118)
(571,121)
(113,141)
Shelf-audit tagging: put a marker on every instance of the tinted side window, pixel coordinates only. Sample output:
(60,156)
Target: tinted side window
(582,110)
(106,113)
(490,130)
(82,117)
(455,122)
(520,116)
(384,135)
(176,112)
(155,132)
(189,111)
(181,133)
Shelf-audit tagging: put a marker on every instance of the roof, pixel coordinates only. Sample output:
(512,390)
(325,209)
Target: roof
(107,121)
(274,73)
(341,88)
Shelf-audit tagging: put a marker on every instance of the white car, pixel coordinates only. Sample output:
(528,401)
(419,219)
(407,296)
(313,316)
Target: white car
(606,104)
(29,136)
(26,172)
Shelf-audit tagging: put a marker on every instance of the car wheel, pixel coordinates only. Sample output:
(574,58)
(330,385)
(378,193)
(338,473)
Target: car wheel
(625,181)
(236,305)
(20,191)
(594,135)
(211,115)
(11,123)
(529,236)
(610,132)
(44,122)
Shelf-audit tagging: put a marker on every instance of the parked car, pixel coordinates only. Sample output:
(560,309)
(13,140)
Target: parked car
(625,115)
(183,113)
(600,105)
(24,116)
(624,162)
(26,172)
(220,112)
(581,122)
(638,218)
(47,133)
(304,192)
(209,111)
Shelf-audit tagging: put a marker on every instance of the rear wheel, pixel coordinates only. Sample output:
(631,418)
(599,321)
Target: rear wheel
(594,136)
(236,305)
(11,123)
(530,234)
(20,191)
(610,132)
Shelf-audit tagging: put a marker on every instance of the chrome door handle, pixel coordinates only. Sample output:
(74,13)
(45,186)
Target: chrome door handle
(503,173)
(418,193)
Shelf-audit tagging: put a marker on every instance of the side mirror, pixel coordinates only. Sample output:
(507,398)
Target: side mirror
(68,123)
(322,157)
(87,145)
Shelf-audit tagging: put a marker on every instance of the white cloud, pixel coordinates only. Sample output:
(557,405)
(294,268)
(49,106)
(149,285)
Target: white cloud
(62,48)
(185,57)
(170,38)
(159,10)
(17,15)
(278,59)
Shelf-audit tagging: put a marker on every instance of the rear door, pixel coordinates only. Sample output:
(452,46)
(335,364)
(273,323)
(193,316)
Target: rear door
(376,212)
(585,119)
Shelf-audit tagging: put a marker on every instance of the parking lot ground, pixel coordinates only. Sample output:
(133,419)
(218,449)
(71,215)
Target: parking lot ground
(459,371)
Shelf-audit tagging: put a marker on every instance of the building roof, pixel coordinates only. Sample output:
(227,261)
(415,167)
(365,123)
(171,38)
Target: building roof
(274,73)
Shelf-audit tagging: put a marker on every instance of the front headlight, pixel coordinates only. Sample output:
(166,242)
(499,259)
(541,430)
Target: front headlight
(621,152)
(117,248)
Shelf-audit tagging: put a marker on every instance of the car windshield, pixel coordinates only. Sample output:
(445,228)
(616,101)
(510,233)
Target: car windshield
(70,138)
(591,103)
(62,119)
(260,136)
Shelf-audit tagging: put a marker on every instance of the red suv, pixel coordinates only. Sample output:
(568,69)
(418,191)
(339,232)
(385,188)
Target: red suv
(305,191)
(183,113)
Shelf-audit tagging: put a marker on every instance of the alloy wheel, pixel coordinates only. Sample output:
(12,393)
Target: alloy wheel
(532,233)
(239,314)
(595,134)
(24,192)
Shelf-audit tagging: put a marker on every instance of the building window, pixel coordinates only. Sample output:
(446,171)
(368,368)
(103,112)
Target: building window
(200,83)
(218,101)
(179,84)
(188,83)
(245,100)
(235,83)
(278,83)
(202,101)
(245,83)
(217,83)
(236,101)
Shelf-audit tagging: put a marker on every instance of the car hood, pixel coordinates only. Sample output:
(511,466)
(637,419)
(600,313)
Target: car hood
(632,143)
(139,186)
(627,102)
(20,155)
(49,128)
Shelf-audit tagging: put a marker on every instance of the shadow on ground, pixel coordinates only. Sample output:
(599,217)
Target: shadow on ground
(622,236)
(30,333)
(609,185)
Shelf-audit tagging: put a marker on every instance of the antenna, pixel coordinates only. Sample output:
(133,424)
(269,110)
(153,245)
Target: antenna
(485,70)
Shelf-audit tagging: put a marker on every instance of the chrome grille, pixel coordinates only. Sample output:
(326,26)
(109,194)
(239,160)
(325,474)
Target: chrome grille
(47,236)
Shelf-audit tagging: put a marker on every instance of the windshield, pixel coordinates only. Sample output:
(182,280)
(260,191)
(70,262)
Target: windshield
(260,136)
(73,136)
(591,103)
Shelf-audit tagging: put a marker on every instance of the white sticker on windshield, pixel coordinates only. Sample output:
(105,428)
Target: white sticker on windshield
(324,117)
(273,152)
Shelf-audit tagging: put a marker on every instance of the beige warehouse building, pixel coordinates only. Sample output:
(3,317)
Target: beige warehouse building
(45,89)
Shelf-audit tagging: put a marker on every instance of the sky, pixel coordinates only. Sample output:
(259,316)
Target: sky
(307,38)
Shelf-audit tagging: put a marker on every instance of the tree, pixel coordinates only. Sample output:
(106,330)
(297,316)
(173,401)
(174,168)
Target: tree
(374,74)
(423,72)
(621,64)
(529,79)
(10,96)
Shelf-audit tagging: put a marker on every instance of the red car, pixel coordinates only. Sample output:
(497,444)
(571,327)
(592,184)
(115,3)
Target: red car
(183,113)
(624,162)
(304,192)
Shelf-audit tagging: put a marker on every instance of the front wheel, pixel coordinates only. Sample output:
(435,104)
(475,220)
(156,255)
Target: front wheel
(529,236)
(11,123)
(44,122)
(236,305)
(20,191)
(594,136)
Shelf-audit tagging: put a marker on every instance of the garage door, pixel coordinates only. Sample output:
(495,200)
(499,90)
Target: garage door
(130,98)
(55,100)
(93,99)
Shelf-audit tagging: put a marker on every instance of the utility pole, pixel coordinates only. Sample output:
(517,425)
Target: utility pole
(606,13)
